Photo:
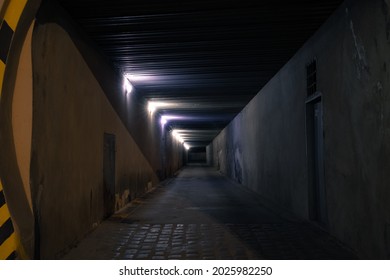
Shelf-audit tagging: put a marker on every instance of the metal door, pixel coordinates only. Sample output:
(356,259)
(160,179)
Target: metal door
(319,182)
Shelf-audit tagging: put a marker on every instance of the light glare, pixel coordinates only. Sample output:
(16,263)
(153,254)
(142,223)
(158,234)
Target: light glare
(154,106)
(163,121)
(138,78)
(128,87)
(151,107)
(177,136)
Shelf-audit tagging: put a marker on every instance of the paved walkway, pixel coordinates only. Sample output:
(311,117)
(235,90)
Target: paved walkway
(201,214)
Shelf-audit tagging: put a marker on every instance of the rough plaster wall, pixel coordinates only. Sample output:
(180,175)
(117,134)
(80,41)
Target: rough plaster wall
(357,114)
(353,54)
(71,114)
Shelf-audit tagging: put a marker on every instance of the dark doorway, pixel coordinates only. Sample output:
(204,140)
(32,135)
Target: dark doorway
(315,145)
(109,174)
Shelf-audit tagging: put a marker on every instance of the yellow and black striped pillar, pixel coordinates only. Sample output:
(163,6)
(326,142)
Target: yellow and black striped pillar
(12,11)
(7,234)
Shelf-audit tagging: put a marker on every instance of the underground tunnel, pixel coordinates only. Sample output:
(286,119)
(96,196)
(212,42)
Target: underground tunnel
(194,130)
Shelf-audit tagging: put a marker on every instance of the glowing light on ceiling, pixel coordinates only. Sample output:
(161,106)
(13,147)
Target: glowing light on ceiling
(139,77)
(165,118)
(163,121)
(174,117)
(154,105)
(127,86)
(151,107)
(186,146)
(177,136)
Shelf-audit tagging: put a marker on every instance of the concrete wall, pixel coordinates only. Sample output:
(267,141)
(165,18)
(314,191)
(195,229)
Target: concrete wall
(174,154)
(78,97)
(265,146)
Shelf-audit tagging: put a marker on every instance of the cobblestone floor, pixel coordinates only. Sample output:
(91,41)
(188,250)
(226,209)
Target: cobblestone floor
(192,229)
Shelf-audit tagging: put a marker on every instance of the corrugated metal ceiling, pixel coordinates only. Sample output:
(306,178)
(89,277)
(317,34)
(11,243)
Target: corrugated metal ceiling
(209,58)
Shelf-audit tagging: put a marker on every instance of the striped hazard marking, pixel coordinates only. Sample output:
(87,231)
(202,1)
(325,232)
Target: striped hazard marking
(8,24)
(7,234)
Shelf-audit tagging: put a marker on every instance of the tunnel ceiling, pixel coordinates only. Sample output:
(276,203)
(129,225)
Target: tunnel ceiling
(203,60)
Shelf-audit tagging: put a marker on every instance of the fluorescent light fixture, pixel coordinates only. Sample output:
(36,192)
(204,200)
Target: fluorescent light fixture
(165,118)
(151,107)
(127,86)
(177,136)
(154,105)
(163,121)
(180,139)
(174,117)
(138,77)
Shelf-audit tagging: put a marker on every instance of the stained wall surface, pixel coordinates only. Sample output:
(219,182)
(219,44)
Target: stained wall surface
(266,147)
